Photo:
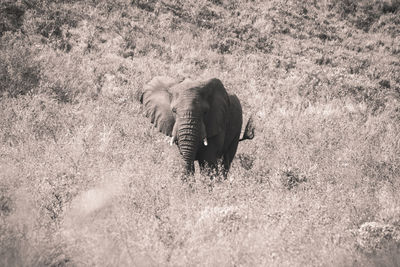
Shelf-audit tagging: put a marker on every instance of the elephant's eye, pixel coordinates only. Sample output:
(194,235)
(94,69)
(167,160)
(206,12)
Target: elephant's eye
(174,109)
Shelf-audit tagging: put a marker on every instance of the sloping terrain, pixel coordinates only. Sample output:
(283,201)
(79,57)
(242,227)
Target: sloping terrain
(85,180)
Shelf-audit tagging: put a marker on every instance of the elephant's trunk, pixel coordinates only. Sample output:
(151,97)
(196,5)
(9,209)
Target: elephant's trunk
(189,134)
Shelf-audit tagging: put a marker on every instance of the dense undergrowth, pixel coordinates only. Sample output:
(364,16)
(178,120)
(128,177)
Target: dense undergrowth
(85,180)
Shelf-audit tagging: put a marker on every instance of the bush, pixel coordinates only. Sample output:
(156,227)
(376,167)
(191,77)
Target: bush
(363,14)
(11,17)
(19,72)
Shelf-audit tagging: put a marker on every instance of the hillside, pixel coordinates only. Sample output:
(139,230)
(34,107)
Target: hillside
(86,181)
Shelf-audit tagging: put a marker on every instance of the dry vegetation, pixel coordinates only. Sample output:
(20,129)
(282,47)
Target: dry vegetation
(85,181)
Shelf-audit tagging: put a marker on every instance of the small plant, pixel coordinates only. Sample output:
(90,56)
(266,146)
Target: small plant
(246,161)
(5,205)
(374,237)
(291,178)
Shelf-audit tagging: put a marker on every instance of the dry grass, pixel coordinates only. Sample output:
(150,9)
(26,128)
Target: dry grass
(85,180)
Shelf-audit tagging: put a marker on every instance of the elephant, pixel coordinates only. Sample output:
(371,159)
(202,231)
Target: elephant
(201,118)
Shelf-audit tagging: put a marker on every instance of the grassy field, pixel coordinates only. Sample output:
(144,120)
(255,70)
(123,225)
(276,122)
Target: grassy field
(86,181)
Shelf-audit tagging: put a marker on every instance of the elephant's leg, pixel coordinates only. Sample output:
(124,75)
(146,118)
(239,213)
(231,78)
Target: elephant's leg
(190,168)
(228,157)
(209,168)
(188,171)
(208,162)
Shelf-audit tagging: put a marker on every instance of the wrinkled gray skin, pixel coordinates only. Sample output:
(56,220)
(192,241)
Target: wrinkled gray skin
(202,118)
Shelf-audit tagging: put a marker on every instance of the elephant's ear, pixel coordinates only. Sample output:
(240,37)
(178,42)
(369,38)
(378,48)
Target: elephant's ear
(215,119)
(156,99)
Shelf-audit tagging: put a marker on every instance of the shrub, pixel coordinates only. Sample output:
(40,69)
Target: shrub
(19,71)
(11,17)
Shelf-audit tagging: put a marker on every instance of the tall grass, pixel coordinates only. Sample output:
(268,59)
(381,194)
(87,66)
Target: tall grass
(85,179)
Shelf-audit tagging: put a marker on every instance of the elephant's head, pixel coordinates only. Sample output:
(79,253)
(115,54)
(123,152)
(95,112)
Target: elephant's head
(188,111)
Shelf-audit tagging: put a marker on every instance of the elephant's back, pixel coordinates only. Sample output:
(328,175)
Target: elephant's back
(235,109)
(235,121)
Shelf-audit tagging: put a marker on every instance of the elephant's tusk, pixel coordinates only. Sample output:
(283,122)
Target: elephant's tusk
(205,141)
(173,138)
